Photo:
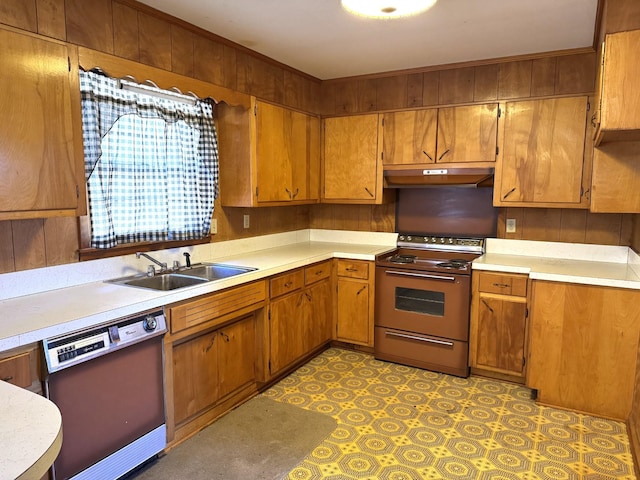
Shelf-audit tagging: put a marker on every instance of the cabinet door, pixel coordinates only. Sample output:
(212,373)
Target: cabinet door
(38,166)
(236,355)
(620,93)
(318,320)
(410,137)
(353,320)
(543,153)
(583,347)
(195,375)
(351,159)
(500,335)
(287,319)
(279,133)
(467,134)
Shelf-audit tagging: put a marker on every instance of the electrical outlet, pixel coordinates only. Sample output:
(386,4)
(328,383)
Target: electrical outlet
(511,225)
(214,225)
(246,221)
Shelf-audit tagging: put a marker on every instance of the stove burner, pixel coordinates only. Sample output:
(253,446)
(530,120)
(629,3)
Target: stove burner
(454,263)
(403,259)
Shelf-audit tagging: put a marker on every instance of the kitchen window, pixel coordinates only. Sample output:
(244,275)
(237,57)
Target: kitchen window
(151,163)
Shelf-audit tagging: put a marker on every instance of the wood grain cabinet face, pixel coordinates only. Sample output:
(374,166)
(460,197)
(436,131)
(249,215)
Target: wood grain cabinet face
(499,325)
(584,346)
(269,156)
(446,135)
(41,158)
(618,115)
(354,302)
(542,160)
(352,173)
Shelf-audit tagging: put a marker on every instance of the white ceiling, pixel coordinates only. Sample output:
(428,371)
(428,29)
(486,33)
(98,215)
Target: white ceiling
(319,38)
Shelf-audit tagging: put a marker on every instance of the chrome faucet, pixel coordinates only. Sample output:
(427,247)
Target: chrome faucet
(151,271)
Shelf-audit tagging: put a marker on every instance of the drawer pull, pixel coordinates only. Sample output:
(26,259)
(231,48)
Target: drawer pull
(351,269)
(319,272)
(501,285)
(8,379)
(421,339)
(361,290)
(288,284)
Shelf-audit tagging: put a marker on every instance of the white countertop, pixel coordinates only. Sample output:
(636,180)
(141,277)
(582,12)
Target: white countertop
(601,265)
(32,317)
(30,433)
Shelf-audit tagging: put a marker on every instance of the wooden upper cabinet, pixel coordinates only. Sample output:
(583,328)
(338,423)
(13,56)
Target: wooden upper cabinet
(542,160)
(618,115)
(410,137)
(269,155)
(446,135)
(41,158)
(351,170)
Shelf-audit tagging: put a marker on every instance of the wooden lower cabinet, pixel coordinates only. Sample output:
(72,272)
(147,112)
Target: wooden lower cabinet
(584,347)
(354,302)
(22,367)
(300,321)
(498,330)
(211,354)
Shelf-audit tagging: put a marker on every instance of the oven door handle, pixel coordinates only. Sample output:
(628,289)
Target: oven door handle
(421,275)
(421,339)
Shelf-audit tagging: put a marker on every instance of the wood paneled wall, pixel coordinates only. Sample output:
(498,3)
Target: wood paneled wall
(136,32)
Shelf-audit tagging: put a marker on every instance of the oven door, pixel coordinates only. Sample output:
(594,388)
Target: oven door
(421,302)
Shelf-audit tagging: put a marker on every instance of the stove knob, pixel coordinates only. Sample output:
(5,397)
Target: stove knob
(442,240)
(150,323)
(409,239)
(451,241)
(433,239)
(401,238)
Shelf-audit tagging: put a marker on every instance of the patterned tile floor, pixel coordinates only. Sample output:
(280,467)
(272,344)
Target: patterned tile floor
(402,423)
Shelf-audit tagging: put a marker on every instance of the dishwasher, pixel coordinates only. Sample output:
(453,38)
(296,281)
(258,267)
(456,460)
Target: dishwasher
(107,382)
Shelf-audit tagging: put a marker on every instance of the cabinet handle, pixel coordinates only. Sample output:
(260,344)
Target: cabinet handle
(428,156)
(501,285)
(369,192)
(309,297)
(319,272)
(487,305)
(288,192)
(509,193)
(300,298)
(288,284)
(593,120)
(295,194)
(361,290)
(210,346)
(421,339)
(443,154)
(7,379)
(351,269)
(225,336)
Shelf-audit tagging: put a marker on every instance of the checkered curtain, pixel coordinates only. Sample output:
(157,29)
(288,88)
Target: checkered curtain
(151,164)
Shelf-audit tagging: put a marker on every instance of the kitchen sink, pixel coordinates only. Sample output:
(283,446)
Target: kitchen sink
(197,274)
(215,271)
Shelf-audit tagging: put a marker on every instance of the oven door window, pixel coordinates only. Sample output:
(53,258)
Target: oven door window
(420,301)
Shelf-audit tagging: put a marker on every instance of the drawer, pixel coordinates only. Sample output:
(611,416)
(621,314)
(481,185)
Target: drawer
(317,272)
(198,312)
(353,269)
(17,370)
(506,284)
(285,283)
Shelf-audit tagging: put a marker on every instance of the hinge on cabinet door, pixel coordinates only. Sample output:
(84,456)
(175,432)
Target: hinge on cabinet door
(383,121)
(499,112)
(77,191)
(382,155)
(269,314)
(69,63)
(255,110)
(588,105)
(524,360)
(497,150)
(526,312)
(256,192)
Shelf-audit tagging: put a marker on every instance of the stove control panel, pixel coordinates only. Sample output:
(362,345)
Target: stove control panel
(460,244)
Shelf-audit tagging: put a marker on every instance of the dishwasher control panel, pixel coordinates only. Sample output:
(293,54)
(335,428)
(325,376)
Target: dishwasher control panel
(73,348)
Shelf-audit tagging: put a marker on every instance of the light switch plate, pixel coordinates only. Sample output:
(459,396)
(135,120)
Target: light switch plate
(511,225)
(246,221)
(214,225)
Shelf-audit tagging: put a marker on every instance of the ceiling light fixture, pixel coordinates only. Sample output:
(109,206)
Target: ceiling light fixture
(387,8)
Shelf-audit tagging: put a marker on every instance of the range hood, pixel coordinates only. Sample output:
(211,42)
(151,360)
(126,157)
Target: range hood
(404,176)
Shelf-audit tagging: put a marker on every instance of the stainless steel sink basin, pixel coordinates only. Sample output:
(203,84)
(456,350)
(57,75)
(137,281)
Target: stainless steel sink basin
(215,271)
(166,281)
(197,274)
